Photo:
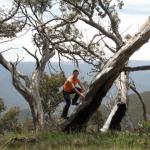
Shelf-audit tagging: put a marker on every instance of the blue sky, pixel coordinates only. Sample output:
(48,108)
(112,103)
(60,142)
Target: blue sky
(133,15)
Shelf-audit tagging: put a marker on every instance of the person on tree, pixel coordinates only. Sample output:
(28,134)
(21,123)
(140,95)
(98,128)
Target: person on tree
(69,88)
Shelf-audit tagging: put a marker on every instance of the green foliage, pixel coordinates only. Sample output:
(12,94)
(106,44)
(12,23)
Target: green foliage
(2,106)
(38,6)
(9,120)
(9,30)
(49,91)
(144,128)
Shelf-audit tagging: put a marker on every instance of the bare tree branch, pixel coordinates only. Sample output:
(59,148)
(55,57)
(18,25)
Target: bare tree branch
(9,40)
(138,68)
(111,49)
(101,29)
(16,75)
(33,55)
(13,14)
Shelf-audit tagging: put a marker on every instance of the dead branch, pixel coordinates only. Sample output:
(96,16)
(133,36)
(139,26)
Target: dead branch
(138,68)
(33,55)
(10,68)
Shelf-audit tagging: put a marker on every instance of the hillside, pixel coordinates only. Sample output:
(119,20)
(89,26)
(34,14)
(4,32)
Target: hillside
(135,109)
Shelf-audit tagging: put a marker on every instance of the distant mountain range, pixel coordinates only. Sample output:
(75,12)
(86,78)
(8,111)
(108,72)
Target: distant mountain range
(13,98)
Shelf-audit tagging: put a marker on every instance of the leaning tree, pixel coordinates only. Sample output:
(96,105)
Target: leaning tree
(95,14)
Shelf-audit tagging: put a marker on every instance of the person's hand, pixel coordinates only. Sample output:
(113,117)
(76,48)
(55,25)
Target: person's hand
(82,90)
(82,95)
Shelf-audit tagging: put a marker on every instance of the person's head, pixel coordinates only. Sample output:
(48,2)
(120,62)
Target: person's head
(75,73)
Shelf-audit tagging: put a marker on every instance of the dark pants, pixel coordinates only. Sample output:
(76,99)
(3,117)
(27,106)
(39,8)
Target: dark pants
(68,100)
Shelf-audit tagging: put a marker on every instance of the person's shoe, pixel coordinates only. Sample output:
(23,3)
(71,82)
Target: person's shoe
(76,103)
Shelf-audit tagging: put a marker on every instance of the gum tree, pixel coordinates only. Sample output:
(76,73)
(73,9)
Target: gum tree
(47,30)
(102,15)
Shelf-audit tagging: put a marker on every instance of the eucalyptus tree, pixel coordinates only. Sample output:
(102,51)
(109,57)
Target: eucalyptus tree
(47,29)
(102,15)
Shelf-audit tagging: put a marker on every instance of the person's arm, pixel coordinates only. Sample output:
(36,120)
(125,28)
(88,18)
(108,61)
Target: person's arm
(80,84)
(75,89)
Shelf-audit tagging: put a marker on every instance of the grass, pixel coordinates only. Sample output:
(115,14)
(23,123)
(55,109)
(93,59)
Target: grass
(83,141)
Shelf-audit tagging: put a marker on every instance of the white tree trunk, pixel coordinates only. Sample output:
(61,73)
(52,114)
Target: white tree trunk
(30,90)
(36,102)
(37,113)
(118,112)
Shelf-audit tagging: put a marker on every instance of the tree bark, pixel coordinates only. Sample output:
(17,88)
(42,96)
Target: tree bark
(30,90)
(119,110)
(37,113)
(32,96)
(104,81)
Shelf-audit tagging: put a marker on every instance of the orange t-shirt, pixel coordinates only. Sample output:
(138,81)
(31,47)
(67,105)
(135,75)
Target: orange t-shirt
(67,86)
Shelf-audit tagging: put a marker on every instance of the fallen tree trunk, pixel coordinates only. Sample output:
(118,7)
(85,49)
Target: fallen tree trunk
(104,81)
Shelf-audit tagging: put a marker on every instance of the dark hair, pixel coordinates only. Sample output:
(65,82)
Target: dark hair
(75,71)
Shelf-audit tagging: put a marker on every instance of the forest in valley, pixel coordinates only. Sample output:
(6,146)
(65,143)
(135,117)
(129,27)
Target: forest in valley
(74,32)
